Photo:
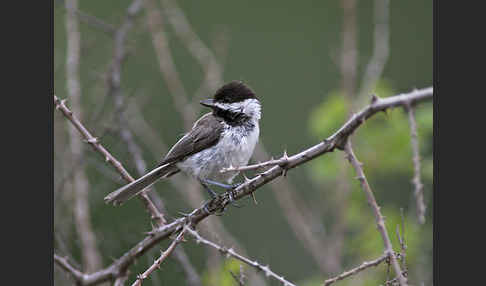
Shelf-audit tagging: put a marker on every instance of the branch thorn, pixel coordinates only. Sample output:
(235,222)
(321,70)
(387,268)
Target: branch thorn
(254,199)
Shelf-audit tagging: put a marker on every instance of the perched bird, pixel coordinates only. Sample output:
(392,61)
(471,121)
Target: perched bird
(222,138)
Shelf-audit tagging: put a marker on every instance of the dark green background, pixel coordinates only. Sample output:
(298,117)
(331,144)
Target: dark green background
(288,52)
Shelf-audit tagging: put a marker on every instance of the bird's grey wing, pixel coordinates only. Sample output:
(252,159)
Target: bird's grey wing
(204,134)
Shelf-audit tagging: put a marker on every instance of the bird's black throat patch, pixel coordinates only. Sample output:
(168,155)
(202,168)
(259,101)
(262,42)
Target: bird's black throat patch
(230,117)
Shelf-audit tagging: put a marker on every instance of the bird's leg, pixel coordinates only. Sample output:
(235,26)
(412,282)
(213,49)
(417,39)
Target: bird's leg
(213,194)
(222,185)
(227,187)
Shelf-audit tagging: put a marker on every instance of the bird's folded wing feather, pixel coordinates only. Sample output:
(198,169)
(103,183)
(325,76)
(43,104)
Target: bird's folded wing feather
(204,134)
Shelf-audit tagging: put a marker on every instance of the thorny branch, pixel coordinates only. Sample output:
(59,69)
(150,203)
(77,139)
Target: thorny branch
(229,252)
(161,259)
(328,145)
(376,210)
(363,266)
(419,187)
(64,264)
(93,141)
(338,139)
(272,162)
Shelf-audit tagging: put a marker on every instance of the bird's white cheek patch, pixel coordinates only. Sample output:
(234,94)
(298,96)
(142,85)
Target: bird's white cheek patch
(252,108)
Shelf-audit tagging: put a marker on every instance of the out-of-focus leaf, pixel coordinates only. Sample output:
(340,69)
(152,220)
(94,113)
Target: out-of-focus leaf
(329,115)
(222,276)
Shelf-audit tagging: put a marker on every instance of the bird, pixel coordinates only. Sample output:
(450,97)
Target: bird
(223,138)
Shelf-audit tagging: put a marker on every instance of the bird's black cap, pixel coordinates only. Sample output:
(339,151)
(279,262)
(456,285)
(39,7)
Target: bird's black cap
(234,91)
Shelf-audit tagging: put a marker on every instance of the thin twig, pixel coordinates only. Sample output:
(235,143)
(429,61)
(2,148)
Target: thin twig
(161,259)
(380,222)
(64,263)
(381,48)
(419,187)
(272,162)
(240,278)
(93,141)
(230,252)
(401,240)
(363,266)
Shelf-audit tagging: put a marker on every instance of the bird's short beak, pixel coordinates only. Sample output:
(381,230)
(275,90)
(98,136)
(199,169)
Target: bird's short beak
(207,102)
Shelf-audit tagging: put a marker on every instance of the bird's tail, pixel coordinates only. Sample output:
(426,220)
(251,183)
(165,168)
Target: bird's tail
(132,189)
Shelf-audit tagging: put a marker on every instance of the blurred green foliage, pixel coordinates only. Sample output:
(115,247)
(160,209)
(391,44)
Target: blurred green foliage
(223,275)
(383,145)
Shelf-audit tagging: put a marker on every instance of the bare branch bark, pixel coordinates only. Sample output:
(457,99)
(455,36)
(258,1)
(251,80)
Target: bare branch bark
(419,187)
(363,266)
(376,210)
(93,141)
(272,162)
(90,254)
(80,277)
(64,263)
(230,252)
(161,259)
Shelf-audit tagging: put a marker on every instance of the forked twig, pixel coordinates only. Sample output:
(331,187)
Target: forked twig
(158,262)
(380,222)
(229,252)
(363,266)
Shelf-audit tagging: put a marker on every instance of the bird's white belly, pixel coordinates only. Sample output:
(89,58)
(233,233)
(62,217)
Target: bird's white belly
(234,148)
